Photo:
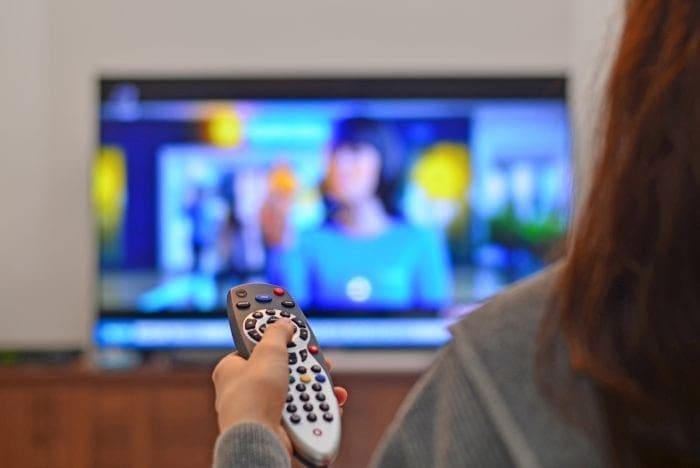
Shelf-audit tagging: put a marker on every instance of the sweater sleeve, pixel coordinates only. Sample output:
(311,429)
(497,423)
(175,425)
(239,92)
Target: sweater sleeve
(249,445)
(442,423)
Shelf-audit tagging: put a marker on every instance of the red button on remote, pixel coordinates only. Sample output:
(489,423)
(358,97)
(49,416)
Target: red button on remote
(278,291)
(313,349)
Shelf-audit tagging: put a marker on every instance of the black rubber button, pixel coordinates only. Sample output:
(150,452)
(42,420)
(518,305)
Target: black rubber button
(270,311)
(288,303)
(263,327)
(328,417)
(324,406)
(292,408)
(295,419)
(316,368)
(272,320)
(292,358)
(299,322)
(304,334)
(291,379)
(290,398)
(285,314)
(241,293)
(301,369)
(304,396)
(303,354)
(257,314)
(291,344)
(308,407)
(254,335)
(311,417)
(317,387)
(250,324)
(243,304)
(301,387)
(320,397)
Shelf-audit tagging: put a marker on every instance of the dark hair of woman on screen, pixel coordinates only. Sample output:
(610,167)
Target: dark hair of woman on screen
(627,302)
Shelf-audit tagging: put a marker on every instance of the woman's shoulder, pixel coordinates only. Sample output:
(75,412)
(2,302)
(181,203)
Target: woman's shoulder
(513,315)
(495,347)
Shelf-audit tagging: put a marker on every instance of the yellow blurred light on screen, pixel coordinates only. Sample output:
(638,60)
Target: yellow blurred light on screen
(224,128)
(109,189)
(443,171)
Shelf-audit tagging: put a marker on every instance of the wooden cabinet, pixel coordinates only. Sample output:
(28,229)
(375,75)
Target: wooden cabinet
(72,417)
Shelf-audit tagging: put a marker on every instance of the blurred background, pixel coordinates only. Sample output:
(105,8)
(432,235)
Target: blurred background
(53,53)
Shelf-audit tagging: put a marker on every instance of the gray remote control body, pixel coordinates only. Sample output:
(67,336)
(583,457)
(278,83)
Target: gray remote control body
(311,415)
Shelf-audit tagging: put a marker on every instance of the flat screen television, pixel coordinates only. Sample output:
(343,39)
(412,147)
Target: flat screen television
(387,206)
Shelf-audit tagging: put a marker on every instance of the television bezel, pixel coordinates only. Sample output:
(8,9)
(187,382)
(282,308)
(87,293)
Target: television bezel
(313,87)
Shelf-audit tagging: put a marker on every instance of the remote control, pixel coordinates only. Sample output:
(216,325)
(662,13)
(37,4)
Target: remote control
(311,415)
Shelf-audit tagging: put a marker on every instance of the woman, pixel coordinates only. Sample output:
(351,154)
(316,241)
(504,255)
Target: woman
(364,256)
(597,361)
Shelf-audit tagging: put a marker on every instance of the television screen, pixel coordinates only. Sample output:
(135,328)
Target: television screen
(373,201)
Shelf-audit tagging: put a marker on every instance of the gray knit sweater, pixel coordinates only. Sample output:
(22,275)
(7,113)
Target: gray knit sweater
(477,405)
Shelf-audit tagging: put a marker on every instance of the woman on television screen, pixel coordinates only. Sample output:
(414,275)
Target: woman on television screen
(364,256)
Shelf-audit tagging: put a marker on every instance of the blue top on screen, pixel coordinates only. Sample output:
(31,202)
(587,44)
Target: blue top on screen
(457,196)
(404,268)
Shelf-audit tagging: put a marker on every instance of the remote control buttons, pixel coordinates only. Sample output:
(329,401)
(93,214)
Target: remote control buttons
(250,324)
(263,327)
(291,344)
(308,407)
(292,358)
(255,335)
(304,334)
(306,378)
(324,407)
(272,320)
(292,408)
(295,419)
(320,378)
(303,354)
(316,368)
(285,314)
(270,311)
(243,305)
(291,379)
(301,387)
(316,387)
(258,314)
(298,322)
(301,369)
(241,293)
(311,417)
(304,396)
(313,349)
(320,397)
(278,292)
(328,417)
(263,298)
(289,398)
(288,304)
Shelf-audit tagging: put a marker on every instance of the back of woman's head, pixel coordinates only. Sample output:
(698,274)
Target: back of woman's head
(628,300)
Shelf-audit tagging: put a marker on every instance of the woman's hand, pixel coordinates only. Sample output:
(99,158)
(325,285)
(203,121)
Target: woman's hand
(255,390)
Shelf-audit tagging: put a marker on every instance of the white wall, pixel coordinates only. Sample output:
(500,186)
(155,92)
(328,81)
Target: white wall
(595,33)
(56,49)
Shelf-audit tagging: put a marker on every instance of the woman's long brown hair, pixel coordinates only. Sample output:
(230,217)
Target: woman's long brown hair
(627,300)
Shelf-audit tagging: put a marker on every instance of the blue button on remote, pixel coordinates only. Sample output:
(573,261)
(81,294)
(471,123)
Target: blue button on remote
(263,298)
(320,378)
